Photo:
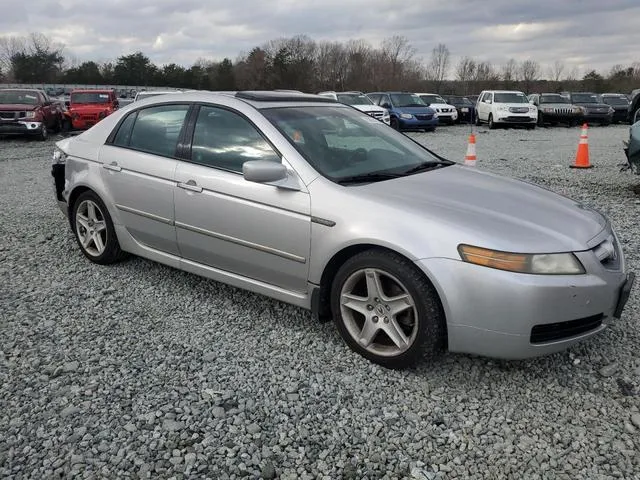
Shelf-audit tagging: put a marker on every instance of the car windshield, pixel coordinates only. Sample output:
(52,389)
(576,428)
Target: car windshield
(515,97)
(615,101)
(432,99)
(584,98)
(354,99)
(18,97)
(342,143)
(89,97)
(462,101)
(406,100)
(553,99)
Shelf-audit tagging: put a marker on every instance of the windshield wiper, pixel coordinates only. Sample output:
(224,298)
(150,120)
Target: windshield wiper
(426,166)
(368,177)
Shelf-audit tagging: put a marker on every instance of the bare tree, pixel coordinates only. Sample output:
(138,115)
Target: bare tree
(9,48)
(556,70)
(508,72)
(465,72)
(572,74)
(529,73)
(438,66)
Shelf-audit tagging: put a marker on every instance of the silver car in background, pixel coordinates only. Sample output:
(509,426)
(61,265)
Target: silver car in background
(314,203)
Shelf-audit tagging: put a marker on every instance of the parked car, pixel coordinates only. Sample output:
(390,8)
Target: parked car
(446,113)
(28,112)
(466,108)
(619,103)
(594,111)
(553,109)
(633,111)
(632,148)
(505,107)
(361,102)
(406,110)
(473,98)
(406,250)
(88,107)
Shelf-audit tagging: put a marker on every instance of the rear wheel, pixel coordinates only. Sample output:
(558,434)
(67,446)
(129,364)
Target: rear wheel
(94,230)
(386,310)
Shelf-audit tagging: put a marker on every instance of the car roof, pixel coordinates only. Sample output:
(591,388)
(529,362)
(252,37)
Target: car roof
(92,90)
(503,91)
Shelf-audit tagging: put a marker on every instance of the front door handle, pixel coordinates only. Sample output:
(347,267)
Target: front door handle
(190,185)
(113,166)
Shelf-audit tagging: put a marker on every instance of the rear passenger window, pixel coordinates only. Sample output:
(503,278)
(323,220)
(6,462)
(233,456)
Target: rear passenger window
(124,132)
(156,129)
(224,139)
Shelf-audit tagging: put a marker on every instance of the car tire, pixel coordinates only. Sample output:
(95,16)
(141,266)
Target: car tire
(491,123)
(378,282)
(395,124)
(540,121)
(94,230)
(43,134)
(477,120)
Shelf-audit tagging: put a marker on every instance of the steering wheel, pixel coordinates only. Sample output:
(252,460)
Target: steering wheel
(359,155)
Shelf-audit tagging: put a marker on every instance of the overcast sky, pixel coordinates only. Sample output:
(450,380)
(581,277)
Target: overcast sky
(583,33)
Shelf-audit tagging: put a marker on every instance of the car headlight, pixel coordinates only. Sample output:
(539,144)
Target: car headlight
(533,109)
(30,114)
(406,116)
(547,110)
(59,156)
(540,264)
(612,110)
(502,108)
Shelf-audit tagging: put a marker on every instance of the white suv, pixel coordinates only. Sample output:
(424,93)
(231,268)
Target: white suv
(505,107)
(446,113)
(361,102)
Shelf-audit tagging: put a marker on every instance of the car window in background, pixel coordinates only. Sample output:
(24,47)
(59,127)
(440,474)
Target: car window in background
(89,97)
(18,97)
(615,101)
(553,99)
(340,143)
(354,99)
(224,139)
(584,98)
(432,99)
(156,129)
(510,98)
(406,100)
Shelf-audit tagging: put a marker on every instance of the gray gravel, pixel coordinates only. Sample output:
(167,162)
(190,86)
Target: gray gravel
(138,370)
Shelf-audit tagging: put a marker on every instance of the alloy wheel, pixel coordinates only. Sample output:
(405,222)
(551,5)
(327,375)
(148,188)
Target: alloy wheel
(91,228)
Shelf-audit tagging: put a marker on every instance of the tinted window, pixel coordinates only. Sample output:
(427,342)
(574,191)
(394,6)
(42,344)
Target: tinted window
(156,129)
(224,139)
(124,132)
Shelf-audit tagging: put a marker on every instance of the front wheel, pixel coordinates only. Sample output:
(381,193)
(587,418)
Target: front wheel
(477,119)
(94,230)
(540,121)
(386,310)
(492,125)
(43,134)
(395,124)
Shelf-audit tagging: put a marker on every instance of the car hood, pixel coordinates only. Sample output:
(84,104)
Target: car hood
(17,106)
(556,105)
(369,108)
(593,105)
(491,211)
(414,110)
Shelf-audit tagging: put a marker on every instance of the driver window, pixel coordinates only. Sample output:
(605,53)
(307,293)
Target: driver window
(224,139)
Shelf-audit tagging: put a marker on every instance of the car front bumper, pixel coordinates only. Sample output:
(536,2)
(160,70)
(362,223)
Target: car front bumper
(417,124)
(20,127)
(507,315)
(515,118)
(598,117)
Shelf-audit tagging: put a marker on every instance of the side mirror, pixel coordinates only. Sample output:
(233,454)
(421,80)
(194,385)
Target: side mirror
(263,171)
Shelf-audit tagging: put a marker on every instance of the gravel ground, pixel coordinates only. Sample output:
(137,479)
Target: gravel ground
(141,371)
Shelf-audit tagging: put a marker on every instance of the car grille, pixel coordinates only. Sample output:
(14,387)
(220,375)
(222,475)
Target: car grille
(608,253)
(12,115)
(550,332)
(376,114)
(563,111)
(446,110)
(424,117)
(89,117)
(519,109)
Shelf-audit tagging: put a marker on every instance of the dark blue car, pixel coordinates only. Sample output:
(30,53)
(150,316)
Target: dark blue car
(407,110)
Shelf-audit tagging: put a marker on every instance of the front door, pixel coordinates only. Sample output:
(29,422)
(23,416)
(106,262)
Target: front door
(254,230)
(138,171)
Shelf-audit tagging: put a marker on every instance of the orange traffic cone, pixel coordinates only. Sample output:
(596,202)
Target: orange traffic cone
(470,157)
(582,156)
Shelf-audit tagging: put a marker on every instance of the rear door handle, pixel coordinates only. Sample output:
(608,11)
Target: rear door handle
(190,185)
(113,166)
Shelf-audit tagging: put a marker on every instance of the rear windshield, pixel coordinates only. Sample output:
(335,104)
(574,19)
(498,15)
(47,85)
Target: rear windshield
(514,97)
(89,97)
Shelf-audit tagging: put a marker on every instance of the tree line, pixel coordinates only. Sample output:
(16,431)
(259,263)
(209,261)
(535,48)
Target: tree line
(301,63)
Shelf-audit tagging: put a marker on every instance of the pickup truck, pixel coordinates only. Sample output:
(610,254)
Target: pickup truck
(28,112)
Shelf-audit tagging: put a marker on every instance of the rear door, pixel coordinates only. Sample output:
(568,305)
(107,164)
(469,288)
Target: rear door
(139,163)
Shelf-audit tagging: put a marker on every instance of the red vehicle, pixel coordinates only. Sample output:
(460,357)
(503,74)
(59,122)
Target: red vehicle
(28,112)
(88,107)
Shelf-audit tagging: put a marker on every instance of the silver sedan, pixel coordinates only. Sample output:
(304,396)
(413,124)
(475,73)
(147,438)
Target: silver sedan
(314,203)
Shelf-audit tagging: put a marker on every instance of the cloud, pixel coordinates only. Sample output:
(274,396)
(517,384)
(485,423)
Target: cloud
(585,34)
